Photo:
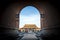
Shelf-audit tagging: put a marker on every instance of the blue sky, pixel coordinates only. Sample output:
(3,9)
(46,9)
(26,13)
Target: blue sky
(29,15)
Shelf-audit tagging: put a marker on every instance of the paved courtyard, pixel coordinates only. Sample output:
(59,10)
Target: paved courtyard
(29,36)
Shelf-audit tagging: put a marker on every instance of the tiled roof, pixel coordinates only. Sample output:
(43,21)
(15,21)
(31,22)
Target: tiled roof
(30,26)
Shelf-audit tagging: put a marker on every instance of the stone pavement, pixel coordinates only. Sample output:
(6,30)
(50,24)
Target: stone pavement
(29,36)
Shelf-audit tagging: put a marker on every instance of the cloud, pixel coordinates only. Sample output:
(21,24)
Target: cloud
(33,19)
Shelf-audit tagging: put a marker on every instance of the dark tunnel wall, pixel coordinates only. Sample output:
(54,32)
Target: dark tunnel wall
(50,14)
(8,13)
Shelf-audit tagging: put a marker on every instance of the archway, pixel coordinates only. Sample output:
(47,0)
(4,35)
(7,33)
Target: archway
(29,19)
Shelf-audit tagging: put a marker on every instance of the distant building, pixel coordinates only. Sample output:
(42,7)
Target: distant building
(29,27)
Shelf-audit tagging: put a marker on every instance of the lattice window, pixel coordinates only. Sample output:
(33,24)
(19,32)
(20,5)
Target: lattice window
(42,15)
(17,15)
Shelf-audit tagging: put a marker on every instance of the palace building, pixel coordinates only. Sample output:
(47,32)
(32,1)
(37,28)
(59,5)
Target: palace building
(29,27)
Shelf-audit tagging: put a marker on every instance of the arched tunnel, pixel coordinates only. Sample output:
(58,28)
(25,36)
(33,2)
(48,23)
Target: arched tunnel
(9,24)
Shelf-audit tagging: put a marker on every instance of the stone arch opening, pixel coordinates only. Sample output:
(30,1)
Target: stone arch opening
(36,9)
(39,8)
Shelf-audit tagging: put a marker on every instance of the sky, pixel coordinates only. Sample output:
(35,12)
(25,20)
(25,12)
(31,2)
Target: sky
(29,15)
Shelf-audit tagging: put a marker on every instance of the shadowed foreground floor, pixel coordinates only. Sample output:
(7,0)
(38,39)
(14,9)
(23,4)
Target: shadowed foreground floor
(29,36)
